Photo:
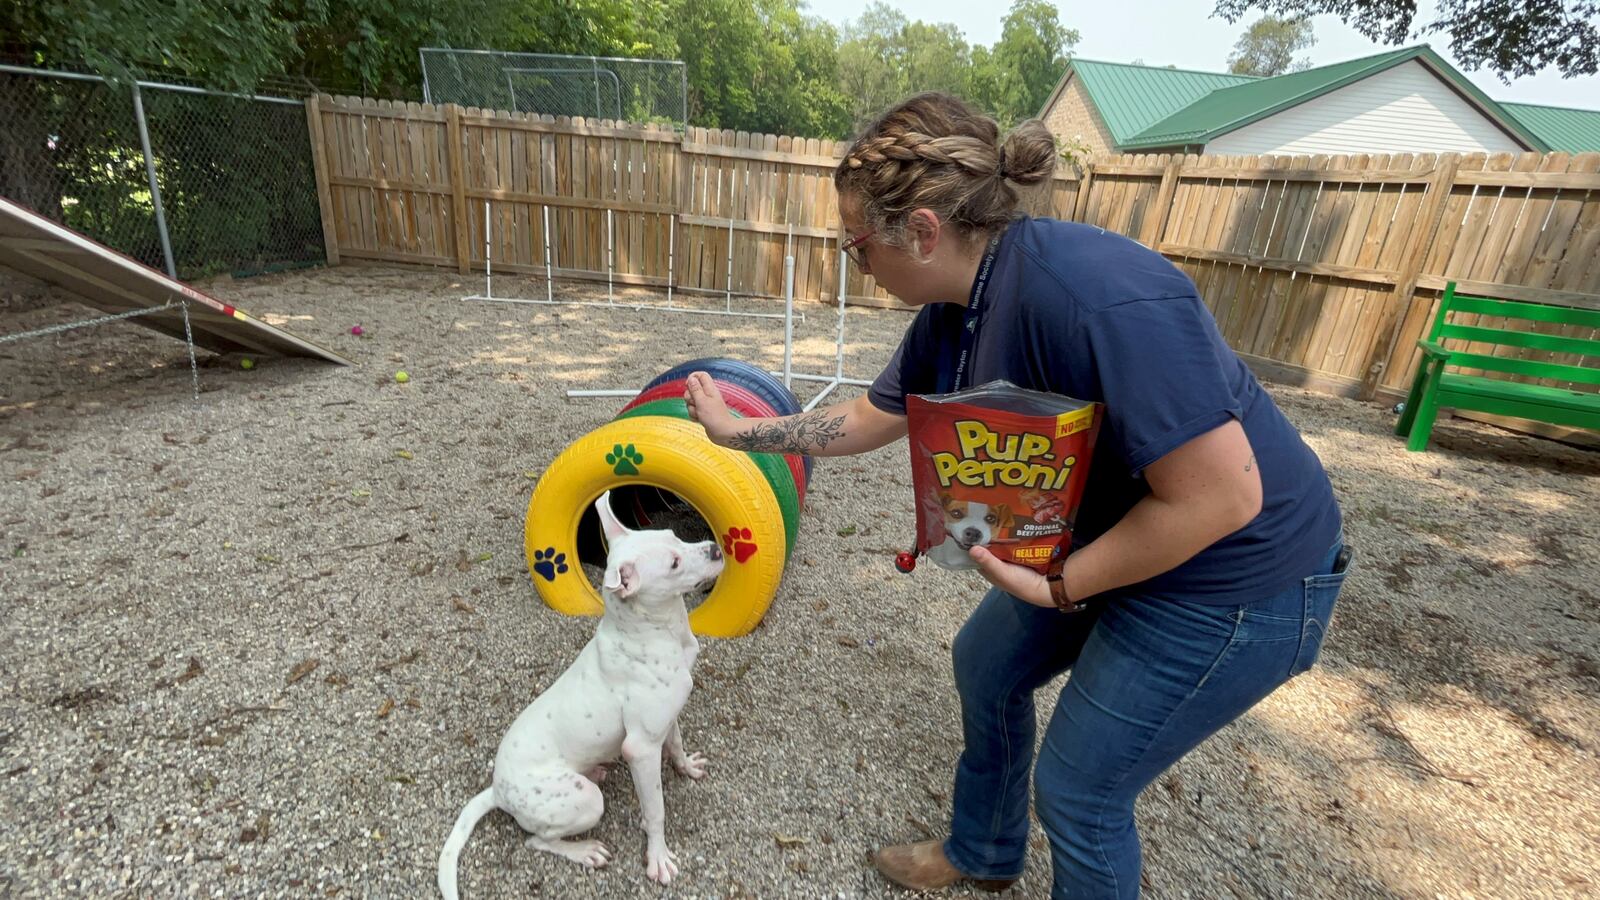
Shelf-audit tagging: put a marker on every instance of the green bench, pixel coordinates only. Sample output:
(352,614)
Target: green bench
(1439,383)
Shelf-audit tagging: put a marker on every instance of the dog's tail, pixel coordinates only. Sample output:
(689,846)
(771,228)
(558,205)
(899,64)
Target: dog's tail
(476,808)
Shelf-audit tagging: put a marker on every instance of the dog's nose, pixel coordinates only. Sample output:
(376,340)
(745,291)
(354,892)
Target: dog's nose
(971,535)
(715,552)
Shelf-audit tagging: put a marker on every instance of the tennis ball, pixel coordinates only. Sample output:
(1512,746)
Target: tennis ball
(247,363)
(401,376)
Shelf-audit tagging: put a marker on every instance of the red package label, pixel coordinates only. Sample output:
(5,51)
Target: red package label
(998,466)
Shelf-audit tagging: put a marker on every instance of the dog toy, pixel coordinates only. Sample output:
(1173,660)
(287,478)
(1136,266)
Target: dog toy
(401,376)
(247,363)
(356,330)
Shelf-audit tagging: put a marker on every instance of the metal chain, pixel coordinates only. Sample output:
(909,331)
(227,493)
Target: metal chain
(188,339)
(68,326)
(188,333)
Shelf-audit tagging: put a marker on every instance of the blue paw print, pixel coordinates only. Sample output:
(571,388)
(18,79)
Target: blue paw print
(549,563)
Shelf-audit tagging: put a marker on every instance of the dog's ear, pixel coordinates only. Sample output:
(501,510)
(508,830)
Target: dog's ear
(945,500)
(608,521)
(623,581)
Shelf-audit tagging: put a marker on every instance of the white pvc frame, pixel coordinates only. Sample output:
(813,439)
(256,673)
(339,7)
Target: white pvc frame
(549,279)
(829,382)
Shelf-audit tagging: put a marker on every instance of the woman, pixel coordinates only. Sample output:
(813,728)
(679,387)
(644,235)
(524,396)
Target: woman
(1207,555)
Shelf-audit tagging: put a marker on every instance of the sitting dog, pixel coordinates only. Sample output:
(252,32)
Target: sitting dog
(967,524)
(622,695)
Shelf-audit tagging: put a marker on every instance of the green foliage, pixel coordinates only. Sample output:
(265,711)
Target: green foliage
(1268,47)
(1509,37)
(1029,59)
(1073,151)
(886,56)
(751,65)
(234,42)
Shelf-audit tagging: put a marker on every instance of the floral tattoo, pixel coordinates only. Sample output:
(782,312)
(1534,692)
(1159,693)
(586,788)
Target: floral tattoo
(803,433)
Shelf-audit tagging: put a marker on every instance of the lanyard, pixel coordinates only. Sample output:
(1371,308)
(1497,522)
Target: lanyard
(971,320)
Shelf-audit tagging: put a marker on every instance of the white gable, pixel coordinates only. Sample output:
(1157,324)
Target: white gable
(1406,109)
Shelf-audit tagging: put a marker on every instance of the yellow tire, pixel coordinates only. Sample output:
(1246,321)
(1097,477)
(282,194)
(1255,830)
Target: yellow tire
(724,486)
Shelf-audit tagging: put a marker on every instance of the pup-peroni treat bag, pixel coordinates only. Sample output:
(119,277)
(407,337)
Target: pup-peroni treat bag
(1001,466)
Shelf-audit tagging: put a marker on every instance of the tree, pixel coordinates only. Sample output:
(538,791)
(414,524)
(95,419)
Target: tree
(872,62)
(235,42)
(1509,37)
(1027,61)
(759,66)
(1267,47)
(362,45)
(885,57)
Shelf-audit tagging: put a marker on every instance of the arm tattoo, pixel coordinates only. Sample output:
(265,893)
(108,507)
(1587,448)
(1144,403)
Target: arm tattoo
(802,433)
(1251,463)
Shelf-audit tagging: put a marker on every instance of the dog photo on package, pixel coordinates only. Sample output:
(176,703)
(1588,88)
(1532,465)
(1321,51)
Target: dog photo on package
(1001,467)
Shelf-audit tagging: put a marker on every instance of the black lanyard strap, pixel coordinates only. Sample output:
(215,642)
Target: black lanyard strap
(972,320)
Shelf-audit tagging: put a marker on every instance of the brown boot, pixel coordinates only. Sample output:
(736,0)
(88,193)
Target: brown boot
(923,867)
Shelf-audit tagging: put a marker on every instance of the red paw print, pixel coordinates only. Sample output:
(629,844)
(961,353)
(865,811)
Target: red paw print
(737,543)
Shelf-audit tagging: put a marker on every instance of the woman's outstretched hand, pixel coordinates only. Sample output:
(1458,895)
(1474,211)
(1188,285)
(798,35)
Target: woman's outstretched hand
(707,407)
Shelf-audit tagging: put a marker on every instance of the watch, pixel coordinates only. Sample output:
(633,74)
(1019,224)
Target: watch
(1058,588)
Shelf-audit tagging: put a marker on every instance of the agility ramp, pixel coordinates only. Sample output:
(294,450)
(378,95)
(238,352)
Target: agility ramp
(107,280)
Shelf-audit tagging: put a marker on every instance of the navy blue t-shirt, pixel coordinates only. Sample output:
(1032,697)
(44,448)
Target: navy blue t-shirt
(1088,313)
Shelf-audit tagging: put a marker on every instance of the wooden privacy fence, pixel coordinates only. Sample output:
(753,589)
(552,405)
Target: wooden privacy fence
(1327,269)
(406,182)
(1321,270)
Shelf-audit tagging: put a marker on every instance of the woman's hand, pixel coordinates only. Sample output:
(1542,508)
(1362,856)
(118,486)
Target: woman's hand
(707,407)
(1019,581)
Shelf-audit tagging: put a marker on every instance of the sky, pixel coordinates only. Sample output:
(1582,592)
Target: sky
(1185,34)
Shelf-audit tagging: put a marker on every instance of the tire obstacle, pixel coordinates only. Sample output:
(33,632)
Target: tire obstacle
(649,455)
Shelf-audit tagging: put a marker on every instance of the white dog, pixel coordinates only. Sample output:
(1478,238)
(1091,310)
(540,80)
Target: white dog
(622,695)
(967,524)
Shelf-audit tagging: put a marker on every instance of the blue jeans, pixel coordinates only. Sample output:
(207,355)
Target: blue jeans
(1151,679)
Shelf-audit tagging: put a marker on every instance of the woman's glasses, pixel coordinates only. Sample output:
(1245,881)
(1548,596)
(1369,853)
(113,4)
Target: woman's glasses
(854,247)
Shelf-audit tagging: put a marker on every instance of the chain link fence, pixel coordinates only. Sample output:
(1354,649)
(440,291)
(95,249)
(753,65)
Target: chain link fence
(628,90)
(236,190)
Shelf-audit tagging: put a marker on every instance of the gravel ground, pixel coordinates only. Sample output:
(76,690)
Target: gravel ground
(265,644)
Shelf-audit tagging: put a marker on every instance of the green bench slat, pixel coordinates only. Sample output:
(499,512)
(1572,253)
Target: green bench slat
(1531,367)
(1538,394)
(1539,312)
(1532,340)
(1551,405)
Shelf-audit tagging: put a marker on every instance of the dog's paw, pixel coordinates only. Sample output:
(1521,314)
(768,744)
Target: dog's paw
(592,854)
(549,563)
(660,864)
(624,460)
(692,765)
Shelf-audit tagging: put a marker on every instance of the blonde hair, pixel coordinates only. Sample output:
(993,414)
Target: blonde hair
(933,151)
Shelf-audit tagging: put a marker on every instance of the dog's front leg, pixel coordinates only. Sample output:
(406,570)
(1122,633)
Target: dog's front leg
(644,761)
(690,764)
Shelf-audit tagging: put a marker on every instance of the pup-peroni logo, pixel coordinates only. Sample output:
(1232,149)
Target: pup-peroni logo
(988,458)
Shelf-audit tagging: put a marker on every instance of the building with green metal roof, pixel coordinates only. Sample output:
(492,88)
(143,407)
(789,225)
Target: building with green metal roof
(1402,101)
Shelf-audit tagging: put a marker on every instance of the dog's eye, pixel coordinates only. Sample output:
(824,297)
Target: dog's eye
(675,562)
(957,514)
